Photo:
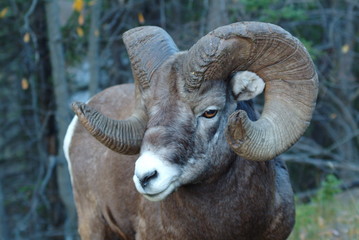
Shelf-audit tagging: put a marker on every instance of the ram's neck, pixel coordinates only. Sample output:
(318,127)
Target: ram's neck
(225,207)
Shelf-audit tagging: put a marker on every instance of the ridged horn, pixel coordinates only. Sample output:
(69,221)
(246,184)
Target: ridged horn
(285,66)
(148,48)
(122,136)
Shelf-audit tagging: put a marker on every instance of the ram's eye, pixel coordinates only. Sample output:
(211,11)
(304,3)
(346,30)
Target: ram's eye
(210,113)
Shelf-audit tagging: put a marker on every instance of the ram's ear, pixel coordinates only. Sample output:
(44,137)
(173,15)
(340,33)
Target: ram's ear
(246,85)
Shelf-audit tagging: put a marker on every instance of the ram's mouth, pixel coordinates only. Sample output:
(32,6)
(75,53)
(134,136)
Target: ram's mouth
(156,195)
(160,195)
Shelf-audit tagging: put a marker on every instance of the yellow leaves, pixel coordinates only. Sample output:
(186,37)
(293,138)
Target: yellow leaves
(3,12)
(26,37)
(81,20)
(24,84)
(78,5)
(141,18)
(345,48)
(82,9)
(80,32)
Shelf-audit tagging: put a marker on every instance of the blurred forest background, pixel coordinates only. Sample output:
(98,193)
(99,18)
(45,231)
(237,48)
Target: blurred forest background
(56,51)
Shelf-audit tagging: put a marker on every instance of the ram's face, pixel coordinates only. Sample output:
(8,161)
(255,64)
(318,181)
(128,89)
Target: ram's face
(184,132)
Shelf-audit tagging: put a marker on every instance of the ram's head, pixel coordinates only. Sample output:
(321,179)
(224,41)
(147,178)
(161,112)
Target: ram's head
(191,119)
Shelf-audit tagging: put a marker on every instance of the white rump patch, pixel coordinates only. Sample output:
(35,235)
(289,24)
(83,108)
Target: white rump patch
(67,142)
(247,85)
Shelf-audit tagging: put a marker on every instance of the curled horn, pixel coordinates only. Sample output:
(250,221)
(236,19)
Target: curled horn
(285,66)
(147,47)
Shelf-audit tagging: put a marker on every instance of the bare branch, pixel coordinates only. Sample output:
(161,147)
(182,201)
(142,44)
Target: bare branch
(322,163)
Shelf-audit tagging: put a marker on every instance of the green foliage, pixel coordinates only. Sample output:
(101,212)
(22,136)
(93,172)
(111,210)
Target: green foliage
(305,216)
(275,11)
(27,191)
(309,45)
(258,5)
(319,218)
(332,219)
(285,13)
(329,188)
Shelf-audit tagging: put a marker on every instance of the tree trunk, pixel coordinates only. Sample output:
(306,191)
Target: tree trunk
(62,112)
(217,15)
(93,53)
(3,218)
(346,80)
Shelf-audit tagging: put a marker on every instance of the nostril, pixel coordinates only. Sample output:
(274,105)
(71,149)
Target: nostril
(148,177)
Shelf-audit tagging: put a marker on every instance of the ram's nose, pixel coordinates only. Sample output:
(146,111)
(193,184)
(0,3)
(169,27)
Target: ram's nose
(147,177)
(154,176)
(147,170)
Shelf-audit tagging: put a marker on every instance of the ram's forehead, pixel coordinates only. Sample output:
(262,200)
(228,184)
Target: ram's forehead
(211,93)
(168,88)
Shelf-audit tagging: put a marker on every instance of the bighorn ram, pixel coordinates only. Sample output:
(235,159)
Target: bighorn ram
(206,161)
